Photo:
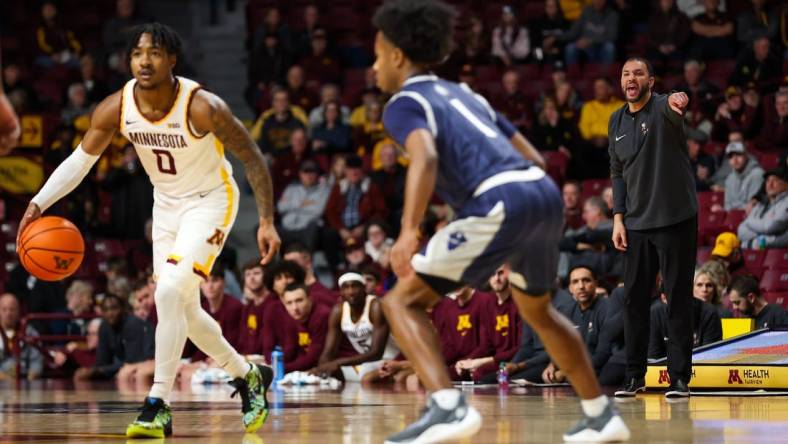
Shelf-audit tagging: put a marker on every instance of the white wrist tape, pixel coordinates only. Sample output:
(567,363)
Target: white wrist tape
(65,178)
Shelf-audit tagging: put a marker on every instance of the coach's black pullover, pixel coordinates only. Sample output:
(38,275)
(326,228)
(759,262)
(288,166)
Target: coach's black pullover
(653,182)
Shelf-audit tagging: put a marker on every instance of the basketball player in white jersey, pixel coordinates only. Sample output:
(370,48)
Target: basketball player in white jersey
(179,132)
(360,319)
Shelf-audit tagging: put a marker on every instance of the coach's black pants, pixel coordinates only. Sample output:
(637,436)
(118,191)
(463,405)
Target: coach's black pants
(672,251)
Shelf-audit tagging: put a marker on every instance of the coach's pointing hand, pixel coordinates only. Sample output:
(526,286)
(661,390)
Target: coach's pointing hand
(267,240)
(678,102)
(31,213)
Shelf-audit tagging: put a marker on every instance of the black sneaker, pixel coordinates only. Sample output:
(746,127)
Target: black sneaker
(437,424)
(606,427)
(678,389)
(631,387)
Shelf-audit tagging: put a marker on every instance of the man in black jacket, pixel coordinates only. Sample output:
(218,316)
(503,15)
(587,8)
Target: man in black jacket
(707,326)
(655,220)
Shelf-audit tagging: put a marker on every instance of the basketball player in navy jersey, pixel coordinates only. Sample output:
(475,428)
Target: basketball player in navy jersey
(508,211)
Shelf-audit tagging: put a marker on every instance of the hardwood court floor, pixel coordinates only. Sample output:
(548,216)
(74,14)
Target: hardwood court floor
(55,411)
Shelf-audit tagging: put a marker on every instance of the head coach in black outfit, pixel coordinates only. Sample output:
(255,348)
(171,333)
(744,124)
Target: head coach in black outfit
(655,222)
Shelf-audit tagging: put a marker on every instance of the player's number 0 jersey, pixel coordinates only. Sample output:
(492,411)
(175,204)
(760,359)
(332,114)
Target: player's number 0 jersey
(179,161)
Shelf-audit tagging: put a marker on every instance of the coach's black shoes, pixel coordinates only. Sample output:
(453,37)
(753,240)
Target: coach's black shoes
(446,417)
(155,421)
(677,389)
(631,388)
(607,427)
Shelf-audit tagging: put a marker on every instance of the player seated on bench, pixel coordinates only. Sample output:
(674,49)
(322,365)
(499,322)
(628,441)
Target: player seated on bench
(301,334)
(125,346)
(358,338)
(501,338)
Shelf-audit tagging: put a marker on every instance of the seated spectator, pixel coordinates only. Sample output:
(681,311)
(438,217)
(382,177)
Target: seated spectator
(302,340)
(727,251)
(390,179)
(709,291)
(367,135)
(712,31)
(593,35)
(746,298)
(568,101)
(79,302)
(302,205)
(79,354)
(329,93)
(125,345)
(735,114)
(552,132)
(385,144)
(358,338)
(356,258)
(759,65)
(331,136)
(707,326)
(594,117)
(273,128)
(546,32)
(272,25)
(353,202)
(744,182)
(510,41)
(77,103)
(369,96)
(35,295)
(32,361)
(723,166)
(300,96)
(668,33)
(501,340)
(319,65)
(756,21)
(57,45)
(268,62)
(702,164)
(372,281)
(117,30)
(303,39)
(607,196)
(378,244)
(96,88)
(766,225)
(702,96)
(774,132)
(573,212)
(588,314)
(142,303)
(591,244)
(257,302)
(14,83)
(512,102)
(302,255)
(286,166)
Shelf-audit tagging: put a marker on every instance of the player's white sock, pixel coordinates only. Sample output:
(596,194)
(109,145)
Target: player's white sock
(447,399)
(206,334)
(594,407)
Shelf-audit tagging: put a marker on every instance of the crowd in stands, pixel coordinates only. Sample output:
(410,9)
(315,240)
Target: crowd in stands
(551,67)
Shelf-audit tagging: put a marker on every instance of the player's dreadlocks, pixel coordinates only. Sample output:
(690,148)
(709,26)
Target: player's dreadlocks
(161,35)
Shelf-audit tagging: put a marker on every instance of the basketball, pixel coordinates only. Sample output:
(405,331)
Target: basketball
(51,248)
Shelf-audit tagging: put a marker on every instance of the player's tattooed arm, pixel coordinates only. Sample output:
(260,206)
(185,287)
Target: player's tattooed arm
(209,113)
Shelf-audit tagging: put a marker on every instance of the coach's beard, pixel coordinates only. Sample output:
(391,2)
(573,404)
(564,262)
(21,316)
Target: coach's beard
(641,93)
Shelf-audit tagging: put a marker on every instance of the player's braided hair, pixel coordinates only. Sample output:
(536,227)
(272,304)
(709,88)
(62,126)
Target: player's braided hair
(422,29)
(161,35)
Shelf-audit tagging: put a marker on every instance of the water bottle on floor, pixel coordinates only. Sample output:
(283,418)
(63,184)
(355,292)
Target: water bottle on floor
(278,364)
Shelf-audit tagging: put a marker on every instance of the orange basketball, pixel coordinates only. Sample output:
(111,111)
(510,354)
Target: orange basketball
(51,248)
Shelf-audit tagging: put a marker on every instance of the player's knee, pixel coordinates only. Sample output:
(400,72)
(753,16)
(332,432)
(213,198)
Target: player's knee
(174,287)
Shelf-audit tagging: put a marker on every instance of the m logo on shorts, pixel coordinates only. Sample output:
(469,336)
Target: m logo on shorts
(456,239)
(464,324)
(217,238)
(733,376)
(62,264)
(303,339)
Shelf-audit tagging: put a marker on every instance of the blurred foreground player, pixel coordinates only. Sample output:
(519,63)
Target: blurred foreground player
(179,132)
(508,211)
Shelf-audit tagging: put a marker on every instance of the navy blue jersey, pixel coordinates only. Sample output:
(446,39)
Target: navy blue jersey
(472,140)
